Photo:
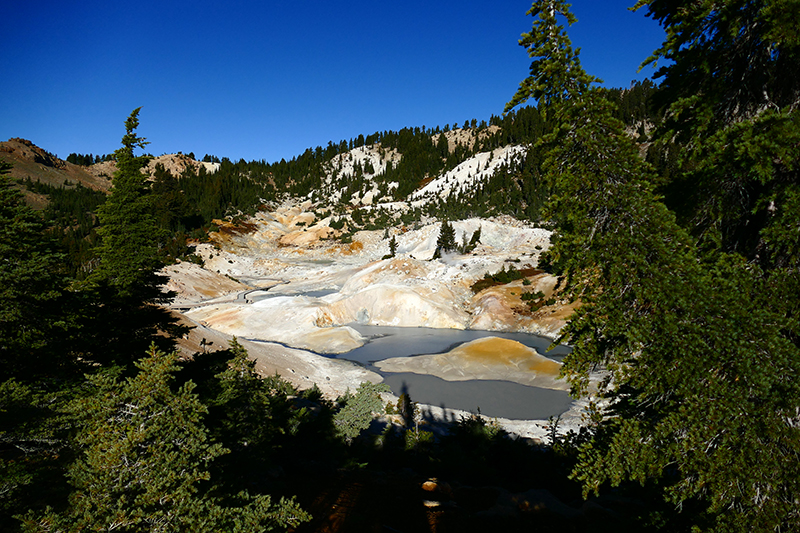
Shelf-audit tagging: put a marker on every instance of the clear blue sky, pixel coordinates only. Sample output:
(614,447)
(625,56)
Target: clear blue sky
(266,80)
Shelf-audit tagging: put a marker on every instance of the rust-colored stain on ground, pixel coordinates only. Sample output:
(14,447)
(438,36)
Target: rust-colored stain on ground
(507,352)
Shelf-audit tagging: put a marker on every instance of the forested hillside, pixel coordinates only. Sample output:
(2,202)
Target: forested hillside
(675,210)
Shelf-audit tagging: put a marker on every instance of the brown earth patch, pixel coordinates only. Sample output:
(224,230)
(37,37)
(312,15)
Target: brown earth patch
(507,352)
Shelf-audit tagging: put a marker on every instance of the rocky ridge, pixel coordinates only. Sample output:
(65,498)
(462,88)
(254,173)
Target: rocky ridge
(29,161)
(175,164)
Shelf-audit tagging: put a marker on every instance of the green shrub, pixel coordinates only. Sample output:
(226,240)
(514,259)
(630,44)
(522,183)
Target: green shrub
(357,410)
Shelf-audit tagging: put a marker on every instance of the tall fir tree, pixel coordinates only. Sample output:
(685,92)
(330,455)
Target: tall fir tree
(127,285)
(131,238)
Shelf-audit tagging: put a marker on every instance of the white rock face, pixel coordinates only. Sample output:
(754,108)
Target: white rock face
(288,320)
(193,283)
(469,173)
(396,305)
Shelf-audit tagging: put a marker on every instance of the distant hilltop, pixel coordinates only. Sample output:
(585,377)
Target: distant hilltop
(175,164)
(29,161)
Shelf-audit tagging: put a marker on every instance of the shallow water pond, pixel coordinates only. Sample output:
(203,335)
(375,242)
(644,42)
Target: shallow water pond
(266,294)
(492,397)
(387,341)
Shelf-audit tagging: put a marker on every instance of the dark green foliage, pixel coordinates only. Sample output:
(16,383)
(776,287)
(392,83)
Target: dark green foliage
(129,251)
(124,283)
(357,216)
(358,410)
(531,296)
(33,290)
(37,358)
(501,277)
(144,463)
(33,446)
(421,158)
(88,159)
(406,409)
(636,105)
(250,416)
(235,187)
(337,223)
(730,85)
(446,242)
(555,72)
(698,346)
(468,245)
(419,440)
(392,248)
(71,220)
(172,207)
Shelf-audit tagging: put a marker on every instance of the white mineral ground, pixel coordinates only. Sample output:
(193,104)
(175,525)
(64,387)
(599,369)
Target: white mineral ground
(291,252)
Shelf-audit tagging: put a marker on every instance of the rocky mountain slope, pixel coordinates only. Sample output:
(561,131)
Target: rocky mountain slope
(28,161)
(173,163)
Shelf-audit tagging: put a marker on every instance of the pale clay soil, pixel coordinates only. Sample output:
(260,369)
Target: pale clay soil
(289,251)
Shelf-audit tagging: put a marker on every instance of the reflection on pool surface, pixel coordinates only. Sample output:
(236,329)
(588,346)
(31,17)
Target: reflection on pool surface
(388,341)
(502,399)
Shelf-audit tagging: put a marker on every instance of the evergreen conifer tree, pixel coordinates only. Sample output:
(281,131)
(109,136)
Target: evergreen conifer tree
(125,283)
(699,345)
(357,413)
(131,238)
(144,463)
(249,415)
(446,241)
(34,320)
(38,359)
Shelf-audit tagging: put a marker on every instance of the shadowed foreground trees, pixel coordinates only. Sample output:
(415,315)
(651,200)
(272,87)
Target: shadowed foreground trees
(143,459)
(133,454)
(33,284)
